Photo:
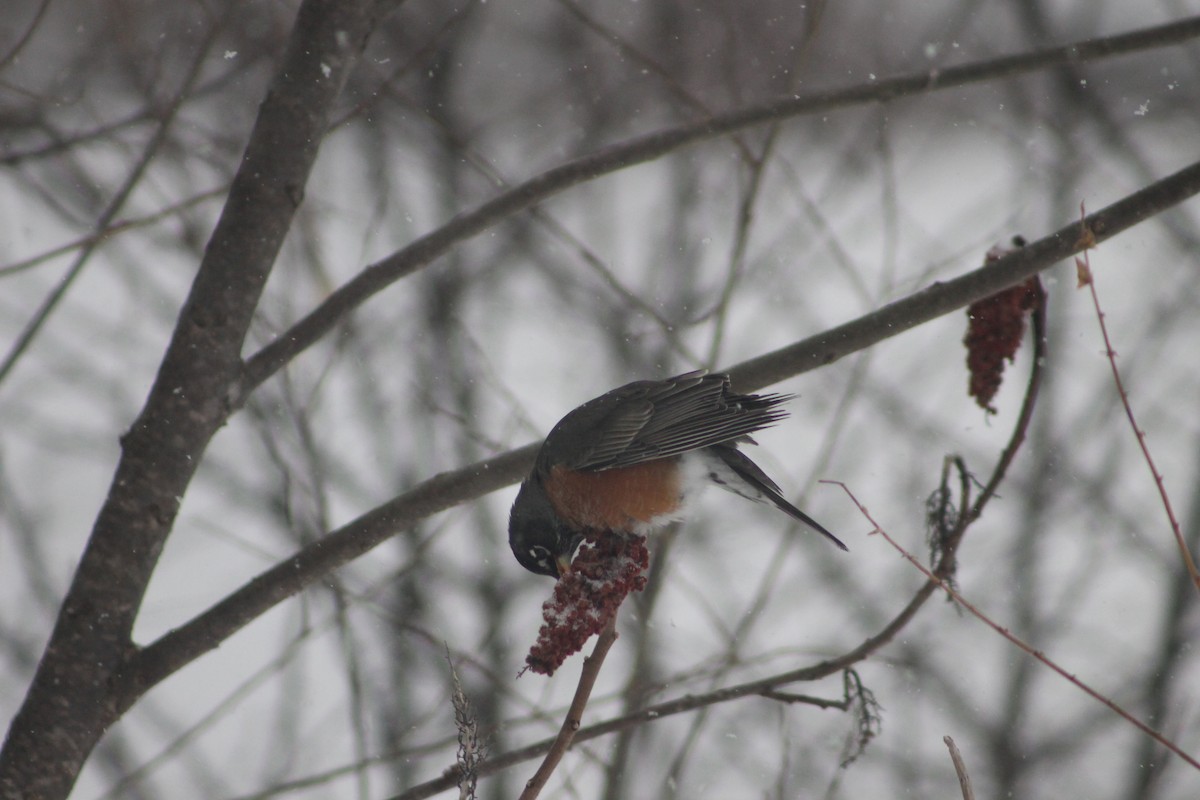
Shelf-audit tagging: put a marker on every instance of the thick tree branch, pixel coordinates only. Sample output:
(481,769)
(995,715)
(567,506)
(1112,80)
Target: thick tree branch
(378,276)
(71,701)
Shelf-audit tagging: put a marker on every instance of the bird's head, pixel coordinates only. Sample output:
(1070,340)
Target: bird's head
(539,538)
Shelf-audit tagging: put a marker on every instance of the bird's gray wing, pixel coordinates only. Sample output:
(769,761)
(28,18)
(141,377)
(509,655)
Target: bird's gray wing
(649,420)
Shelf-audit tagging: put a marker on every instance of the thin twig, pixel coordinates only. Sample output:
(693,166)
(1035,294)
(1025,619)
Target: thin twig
(1012,637)
(574,718)
(1084,267)
(107,233)
(960,766)
(132,181)
(25,36)
(806,699)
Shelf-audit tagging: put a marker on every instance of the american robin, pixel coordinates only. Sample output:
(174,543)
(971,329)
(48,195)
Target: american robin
(628,460)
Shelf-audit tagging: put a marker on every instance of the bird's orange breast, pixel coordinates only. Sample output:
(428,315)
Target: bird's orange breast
(620,499)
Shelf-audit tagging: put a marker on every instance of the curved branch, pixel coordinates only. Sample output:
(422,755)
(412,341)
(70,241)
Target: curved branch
(378,276)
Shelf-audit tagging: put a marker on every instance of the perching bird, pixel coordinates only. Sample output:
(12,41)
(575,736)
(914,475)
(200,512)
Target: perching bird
(628,460)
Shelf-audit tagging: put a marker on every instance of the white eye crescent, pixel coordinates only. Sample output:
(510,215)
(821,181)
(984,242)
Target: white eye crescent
(540,556)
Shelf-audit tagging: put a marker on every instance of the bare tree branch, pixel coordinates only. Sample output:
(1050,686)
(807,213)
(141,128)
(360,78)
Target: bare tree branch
(71,701)
(110,212)
(1085,277)
(941,583)
(378,276)
(960,768)
(571,722)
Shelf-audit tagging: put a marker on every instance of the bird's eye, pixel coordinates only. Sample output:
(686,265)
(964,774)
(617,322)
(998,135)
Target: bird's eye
(541,556)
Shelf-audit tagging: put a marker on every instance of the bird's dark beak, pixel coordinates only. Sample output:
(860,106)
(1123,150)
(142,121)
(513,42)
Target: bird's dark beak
(564,564)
